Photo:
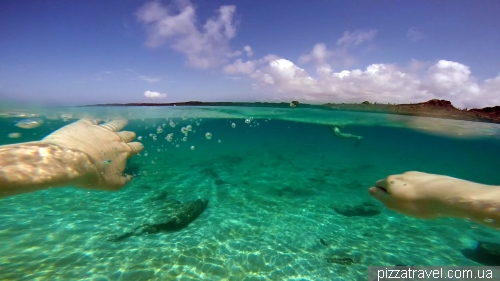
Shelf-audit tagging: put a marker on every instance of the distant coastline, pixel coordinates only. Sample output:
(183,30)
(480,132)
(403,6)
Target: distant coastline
(432,108)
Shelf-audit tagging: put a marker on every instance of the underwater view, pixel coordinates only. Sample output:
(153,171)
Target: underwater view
(247,193)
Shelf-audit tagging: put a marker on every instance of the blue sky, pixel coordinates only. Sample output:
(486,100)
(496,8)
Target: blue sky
(83,52)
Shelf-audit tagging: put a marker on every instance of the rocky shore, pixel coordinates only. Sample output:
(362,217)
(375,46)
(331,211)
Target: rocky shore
(432,108)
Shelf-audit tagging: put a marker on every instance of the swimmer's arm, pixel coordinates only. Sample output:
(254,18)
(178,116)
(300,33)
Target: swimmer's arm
(32,166)
(475,202)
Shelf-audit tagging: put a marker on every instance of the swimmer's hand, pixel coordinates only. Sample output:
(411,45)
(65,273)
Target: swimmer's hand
(430,196)
(108,149)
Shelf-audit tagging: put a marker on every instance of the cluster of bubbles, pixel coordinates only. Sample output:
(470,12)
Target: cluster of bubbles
(186,131)
(170,137)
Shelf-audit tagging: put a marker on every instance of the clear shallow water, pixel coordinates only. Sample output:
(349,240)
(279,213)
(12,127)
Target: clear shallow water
(272,185)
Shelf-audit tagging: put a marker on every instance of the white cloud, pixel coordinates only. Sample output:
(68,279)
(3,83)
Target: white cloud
(384,83)
(240,67)
(318,55)
(176,25)
(149,79)
(491,91)
(248,50)
(414,34)
(154,95)
(248,67)
(356,37)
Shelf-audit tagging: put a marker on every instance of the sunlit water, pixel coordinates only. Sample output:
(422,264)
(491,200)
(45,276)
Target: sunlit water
(274,180)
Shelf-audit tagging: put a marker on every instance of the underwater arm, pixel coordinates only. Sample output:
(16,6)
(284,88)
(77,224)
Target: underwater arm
(81,154)
(32,166)
(479,204)
(430,196)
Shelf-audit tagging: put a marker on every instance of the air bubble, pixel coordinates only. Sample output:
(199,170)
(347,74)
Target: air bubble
(233,125)
(192,147)
(169,137)
(29,123)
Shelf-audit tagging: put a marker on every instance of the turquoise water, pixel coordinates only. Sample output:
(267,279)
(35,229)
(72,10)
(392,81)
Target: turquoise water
(273,184)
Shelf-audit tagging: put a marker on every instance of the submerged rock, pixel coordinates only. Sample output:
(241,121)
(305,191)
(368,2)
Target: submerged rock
(182,217)
(343,260)
(485,253)
(366,209)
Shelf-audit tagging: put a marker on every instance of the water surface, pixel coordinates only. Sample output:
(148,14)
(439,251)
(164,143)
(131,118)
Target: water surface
(274,181)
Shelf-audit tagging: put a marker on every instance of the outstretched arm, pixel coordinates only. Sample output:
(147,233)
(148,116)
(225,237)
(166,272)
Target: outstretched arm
(81,154)
(430,196)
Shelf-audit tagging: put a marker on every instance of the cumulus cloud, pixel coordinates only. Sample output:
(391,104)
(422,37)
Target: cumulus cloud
(384,83)
(320,55)
(154,95)
(248,67)
(240,67)
(414,34)
(176,26)
(248,50)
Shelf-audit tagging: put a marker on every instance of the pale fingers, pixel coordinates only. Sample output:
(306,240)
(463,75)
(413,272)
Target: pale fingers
(86,121)
(119,182)
(126,136)
(115,125)
(136,147)
(125,179)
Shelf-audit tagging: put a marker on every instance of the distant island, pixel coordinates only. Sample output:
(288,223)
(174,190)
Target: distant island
(432,108)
